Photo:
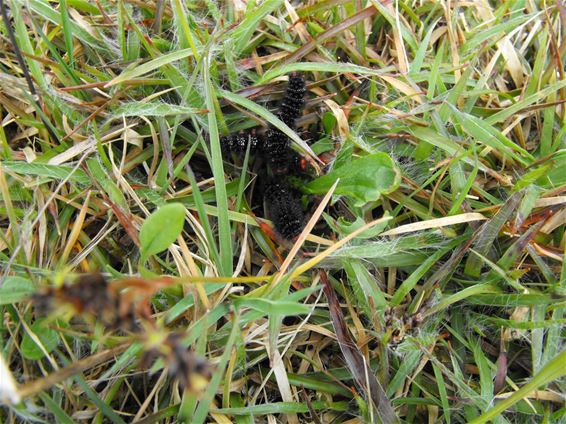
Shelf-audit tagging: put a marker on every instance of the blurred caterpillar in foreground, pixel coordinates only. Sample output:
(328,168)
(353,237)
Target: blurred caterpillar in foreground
(125,305)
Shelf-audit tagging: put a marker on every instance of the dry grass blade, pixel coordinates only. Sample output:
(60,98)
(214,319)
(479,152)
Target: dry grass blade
(435,223)
(79,366)
(304,234)
(9,393)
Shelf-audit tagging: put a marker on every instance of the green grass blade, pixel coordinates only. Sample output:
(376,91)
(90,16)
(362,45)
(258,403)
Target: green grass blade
(553,370)
(225,235)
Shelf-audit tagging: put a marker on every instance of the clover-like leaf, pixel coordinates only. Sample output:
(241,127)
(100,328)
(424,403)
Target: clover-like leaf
(364,179)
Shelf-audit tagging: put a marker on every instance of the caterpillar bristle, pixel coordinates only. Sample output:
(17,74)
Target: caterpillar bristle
(236,144)
(226,145)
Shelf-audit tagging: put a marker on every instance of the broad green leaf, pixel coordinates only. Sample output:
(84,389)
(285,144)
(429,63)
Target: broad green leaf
(15,289)
(364,179)
(161,229)
(47,336)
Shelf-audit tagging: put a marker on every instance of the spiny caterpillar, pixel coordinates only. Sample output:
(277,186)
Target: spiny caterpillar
(276,148)
(284,209)
(282,201)
(276,151)
(236,144)
(291,107)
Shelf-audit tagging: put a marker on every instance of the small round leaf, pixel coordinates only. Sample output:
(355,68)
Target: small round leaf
(15,289)
(161,229)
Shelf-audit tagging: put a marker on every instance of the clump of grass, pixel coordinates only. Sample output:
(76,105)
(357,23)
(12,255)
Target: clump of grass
(428,284)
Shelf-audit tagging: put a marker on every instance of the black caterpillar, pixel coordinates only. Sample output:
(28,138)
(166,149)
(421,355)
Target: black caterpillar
(236,144)
(276,151)
(291,107)
(284,209)
(281,200)
(276,147)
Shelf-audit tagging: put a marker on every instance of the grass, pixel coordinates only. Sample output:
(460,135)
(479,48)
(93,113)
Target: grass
(429,281)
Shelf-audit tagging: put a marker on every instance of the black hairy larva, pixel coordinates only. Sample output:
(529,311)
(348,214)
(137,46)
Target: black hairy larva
(291,107)
(284,209)
(276,151)
(276,148)
(280,157)
(236,144)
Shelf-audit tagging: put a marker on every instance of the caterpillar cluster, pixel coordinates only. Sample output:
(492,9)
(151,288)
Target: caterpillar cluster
(282,201)
(125,305)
